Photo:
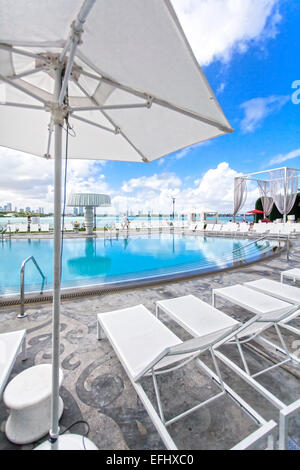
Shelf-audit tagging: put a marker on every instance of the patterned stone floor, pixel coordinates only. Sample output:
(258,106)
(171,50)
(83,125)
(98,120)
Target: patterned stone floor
(96,389)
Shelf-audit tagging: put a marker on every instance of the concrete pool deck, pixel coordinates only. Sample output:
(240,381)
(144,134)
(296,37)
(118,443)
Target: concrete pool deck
(96,388)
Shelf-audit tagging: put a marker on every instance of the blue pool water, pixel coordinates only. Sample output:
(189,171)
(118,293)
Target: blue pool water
(96,261)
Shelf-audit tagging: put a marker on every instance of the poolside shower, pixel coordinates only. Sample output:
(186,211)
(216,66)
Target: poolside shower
(89,202)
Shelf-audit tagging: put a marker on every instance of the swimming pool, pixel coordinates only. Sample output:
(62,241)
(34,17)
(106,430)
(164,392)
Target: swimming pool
(98,261)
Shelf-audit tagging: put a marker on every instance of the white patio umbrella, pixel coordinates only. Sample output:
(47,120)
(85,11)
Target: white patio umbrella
(123,74)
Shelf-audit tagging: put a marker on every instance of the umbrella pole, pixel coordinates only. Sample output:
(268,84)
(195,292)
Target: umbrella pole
(67,441)
(54,432)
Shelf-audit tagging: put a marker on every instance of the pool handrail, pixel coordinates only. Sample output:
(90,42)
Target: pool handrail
(22,313)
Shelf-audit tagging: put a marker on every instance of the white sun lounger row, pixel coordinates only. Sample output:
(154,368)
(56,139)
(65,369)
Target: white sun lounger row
(146,347)
(23,228)
(273,305)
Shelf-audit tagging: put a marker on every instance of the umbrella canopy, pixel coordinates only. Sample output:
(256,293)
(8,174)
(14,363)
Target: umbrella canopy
(255,211)
(124,79)
(135,92)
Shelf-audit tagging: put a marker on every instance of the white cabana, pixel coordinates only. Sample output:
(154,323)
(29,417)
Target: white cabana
(278,185)
(119,82)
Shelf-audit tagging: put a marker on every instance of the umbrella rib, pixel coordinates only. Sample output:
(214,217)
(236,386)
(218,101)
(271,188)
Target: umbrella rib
(79,118)
(19,105)
(154,99)
(110,107)
(13,50)
(117,128)
(25,74)
(20,88)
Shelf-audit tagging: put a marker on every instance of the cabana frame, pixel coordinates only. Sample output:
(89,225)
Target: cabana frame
(255,178)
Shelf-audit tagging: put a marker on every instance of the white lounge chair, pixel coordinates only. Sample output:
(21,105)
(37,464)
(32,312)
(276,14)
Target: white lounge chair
(68,228)
(275,229)
(228,227)
(10,228)
(281,291)
(146,347)
(217,228)
(34,227)
(23,228)
(199,227)
(288,229)
(10,346)
(293,274)
(267,307)
(155,226)
(44,227)
(262,228)
(245,228)
(199,318)
(210,228)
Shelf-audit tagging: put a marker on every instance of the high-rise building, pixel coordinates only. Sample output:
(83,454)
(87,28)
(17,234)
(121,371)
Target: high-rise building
(9,207)
(27,209)
(41,210)
(75,211)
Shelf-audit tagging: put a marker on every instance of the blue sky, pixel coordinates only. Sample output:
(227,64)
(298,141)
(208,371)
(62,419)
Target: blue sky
(248,52)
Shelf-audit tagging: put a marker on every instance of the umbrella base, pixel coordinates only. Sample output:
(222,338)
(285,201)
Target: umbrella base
(70,442)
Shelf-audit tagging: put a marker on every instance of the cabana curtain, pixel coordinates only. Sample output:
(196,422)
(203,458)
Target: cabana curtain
(284,188)
(240,194)
(266,198)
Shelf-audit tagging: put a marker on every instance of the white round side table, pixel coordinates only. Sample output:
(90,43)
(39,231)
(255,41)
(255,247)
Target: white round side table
(28,396)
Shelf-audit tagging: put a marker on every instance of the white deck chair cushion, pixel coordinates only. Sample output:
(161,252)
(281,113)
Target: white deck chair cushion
(292,273)
(276,289)
(197,317)
(137,337)
(10,344)
(259,303)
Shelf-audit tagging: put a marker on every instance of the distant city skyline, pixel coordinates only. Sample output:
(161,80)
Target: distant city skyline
(8,207)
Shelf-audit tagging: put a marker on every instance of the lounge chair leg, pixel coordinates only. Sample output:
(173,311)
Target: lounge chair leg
(160,409)
(157,311)
(100,332)
(24,350)
(217,369)
(282,341)
(242,356)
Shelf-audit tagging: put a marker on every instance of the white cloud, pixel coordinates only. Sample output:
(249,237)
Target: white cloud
(257,109)
(27,180)
(218,28)
(213,191)
(156,182)
(221,88)
(282,158)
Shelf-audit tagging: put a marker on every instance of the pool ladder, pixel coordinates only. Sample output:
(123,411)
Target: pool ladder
(285,241)
(22,313)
